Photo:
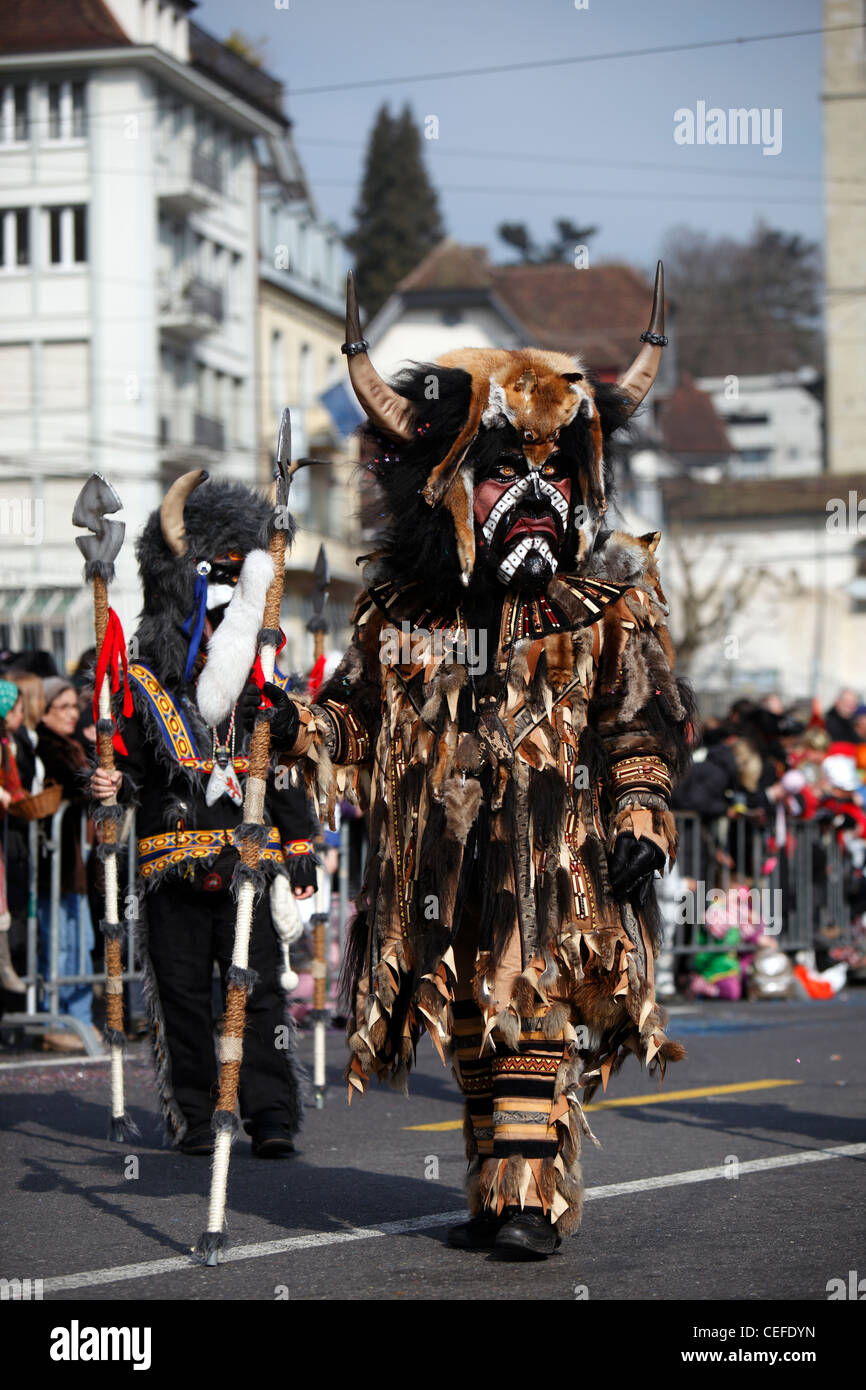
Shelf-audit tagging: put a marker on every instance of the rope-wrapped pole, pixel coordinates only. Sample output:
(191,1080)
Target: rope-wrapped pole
(249,853)
(100,550)
(318,626)
(111,926)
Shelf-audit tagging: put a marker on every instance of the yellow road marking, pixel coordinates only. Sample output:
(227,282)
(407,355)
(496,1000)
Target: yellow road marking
(650,1099)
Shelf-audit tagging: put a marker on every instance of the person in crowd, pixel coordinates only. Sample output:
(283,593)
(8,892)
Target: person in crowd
(840,716)
(30,766)
(66,762)
(858,724)
(11,791)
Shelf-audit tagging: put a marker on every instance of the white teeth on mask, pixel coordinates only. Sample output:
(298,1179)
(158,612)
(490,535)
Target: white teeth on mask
(514,559)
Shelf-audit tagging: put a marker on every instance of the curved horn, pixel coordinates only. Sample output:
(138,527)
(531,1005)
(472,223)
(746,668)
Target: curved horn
(171,511)
(383,406)
(640,376)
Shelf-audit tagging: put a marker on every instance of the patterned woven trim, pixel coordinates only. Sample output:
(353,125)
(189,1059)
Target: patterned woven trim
(156,853)
(644,774)
(298,847)
(173,726)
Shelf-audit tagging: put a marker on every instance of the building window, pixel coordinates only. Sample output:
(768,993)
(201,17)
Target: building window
(305,374)
(58,647)
(14,237)
(31,637)
(78,111)
(67,236)
(236,406)
(278,373)
(67,113)
(14,122)
(54,110)
(79,235)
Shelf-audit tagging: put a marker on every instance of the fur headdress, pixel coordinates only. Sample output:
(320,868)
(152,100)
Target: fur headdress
(196,528)
(436,417)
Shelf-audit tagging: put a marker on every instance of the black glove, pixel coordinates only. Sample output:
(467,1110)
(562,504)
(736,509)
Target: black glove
(302,871)
(632,864)
(248,703)
(284,720)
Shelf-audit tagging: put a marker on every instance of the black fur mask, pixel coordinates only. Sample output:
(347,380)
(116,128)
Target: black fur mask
(219,518)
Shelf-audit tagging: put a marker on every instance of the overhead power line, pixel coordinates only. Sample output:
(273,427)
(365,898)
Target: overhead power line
(538,63)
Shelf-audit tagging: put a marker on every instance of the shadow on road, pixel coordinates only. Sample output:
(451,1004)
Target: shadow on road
(754,1121)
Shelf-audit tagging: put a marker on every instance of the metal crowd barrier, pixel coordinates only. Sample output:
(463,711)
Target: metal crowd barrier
(716,856)
(807,886)
(46,988)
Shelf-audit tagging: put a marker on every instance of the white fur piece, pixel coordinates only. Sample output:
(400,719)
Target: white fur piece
(284,911)
(231,650)
(496,414)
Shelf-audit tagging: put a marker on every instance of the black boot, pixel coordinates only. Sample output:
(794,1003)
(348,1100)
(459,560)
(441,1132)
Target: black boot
(271,1143)
(478,1233)
(527,1234)
(197,1143)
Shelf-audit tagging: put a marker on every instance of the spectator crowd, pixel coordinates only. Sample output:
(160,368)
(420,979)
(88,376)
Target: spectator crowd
(758,774)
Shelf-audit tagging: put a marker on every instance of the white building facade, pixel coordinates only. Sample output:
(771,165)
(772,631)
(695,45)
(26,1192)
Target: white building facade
(128,209)
(774,422)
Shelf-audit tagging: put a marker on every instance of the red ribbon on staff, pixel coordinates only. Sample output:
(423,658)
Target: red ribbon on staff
(257,675)
(112,654)
(316,676)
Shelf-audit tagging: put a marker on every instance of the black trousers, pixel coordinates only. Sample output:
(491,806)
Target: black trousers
(188,929)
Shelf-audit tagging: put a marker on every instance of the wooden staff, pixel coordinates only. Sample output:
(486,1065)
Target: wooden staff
(249,850)
(100,550)
(318,626)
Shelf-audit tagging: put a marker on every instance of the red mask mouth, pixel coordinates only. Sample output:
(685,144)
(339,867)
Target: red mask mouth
(532,525)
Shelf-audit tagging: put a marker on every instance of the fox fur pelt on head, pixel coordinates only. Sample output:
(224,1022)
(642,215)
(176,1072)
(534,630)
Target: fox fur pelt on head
(417,542)
(218,518)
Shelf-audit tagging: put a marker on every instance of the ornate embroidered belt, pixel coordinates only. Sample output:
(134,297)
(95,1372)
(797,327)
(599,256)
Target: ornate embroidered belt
(159,852)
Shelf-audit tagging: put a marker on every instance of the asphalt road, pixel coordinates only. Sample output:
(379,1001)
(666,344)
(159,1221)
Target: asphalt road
(362,1211)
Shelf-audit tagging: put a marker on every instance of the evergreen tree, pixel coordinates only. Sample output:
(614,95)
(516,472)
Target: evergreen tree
(397,218)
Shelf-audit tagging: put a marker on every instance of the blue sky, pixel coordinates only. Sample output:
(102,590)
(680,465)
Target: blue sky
(502,136)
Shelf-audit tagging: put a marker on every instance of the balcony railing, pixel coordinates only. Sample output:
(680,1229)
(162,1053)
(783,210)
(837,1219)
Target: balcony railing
(190,307)
(207,171)
(188,181)
(184,433)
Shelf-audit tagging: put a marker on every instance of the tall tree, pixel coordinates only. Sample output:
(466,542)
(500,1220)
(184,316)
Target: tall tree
(744,307)
(397,219)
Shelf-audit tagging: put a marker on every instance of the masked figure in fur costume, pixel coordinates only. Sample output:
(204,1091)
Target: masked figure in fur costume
(204,580)
(508,712)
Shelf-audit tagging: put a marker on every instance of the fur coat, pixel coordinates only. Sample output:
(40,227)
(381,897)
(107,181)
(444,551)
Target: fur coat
(495,799)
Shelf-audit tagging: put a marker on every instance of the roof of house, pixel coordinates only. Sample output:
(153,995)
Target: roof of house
(449,266)
(50,25)
(211,57)
(598,312)
(688,422)
(745,499)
